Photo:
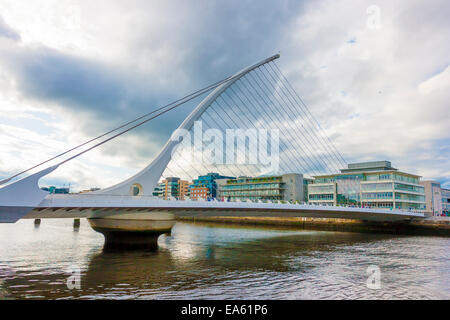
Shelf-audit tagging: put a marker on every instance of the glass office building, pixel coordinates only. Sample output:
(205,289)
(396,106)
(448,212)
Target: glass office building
(206,186)
(369,184)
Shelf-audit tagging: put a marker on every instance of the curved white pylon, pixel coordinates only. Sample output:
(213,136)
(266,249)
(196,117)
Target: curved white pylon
(148,178)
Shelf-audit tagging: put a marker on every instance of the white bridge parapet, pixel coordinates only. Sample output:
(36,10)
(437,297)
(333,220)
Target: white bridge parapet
(97,205)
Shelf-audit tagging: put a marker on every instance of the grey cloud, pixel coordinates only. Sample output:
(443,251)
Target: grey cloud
(81,84)
(7,32)
(210,42)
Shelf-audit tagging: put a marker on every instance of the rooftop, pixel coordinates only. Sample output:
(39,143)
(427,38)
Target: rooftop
(367,173)
(371,167)
(368,166)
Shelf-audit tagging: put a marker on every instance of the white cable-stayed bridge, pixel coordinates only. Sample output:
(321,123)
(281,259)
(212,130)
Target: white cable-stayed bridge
(272,132)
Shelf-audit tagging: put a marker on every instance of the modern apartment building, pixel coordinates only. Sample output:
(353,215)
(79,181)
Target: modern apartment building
(172,188)
(206,186)
(289,187)
(199,193)
(369,184)
(437,199)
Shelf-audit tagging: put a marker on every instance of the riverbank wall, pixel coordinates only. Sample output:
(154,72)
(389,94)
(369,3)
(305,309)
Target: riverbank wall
(434,226)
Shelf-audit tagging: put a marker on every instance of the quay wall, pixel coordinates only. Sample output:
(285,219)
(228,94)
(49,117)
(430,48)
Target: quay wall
(436,226)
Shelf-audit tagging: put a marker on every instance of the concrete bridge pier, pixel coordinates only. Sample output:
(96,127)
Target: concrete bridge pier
(134,230)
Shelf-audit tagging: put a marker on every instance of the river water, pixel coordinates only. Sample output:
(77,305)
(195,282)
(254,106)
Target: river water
(219,261)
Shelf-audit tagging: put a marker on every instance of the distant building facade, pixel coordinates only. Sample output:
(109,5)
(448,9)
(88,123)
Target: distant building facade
(370,184)
(220,183)
(199,193)
(55,190)
(205,187)
(306,182)
(437,199)
(172,188)
(288,187)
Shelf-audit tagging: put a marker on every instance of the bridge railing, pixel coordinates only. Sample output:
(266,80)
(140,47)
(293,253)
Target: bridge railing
(114,199)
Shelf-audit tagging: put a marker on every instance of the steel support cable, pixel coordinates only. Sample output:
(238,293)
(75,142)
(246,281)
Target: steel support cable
(303,138)
(176,103)
(296,130)
(223,109)
(234,102)
(256,119)
(173,161)
(262,116)
(294,103)
(232,89)
(234,122)
(193,167)
(306,111)
(167,174)
(129,129)
(213,118)
(254,105)
(309,112)
(317,127)
(250,113)
(211,109)
(217,126)
(310,165)
(319,130)
(270,119)
(264,111)
(249,120)
(210,126)
(338,157)
(313,166)
(324,159)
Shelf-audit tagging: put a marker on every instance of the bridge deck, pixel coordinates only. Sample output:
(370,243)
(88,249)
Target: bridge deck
(79,206)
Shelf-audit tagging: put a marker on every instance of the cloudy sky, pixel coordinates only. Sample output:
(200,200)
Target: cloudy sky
(376,74)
